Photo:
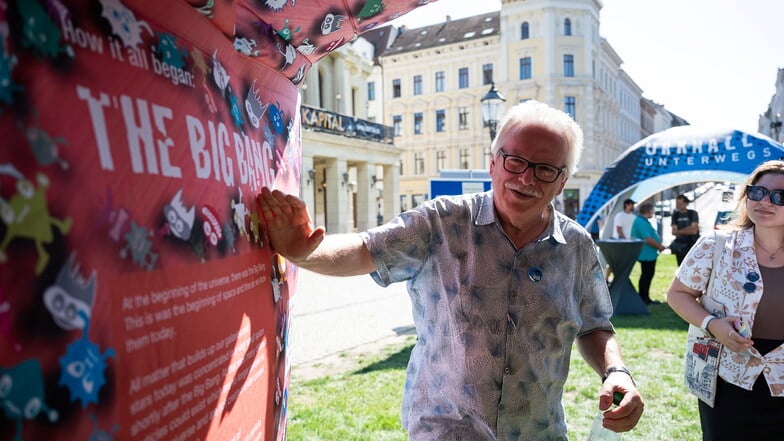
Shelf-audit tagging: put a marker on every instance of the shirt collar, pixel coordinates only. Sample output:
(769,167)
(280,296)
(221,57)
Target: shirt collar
(486,215)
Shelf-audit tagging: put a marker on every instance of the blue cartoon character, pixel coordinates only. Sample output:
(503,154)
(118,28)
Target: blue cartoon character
(168,51)
(40,31)
(70,295)
(22,394)
(275,116)
(101,435)
(82,367)
(7,63)
(235,110)
(124,23)
(26,215)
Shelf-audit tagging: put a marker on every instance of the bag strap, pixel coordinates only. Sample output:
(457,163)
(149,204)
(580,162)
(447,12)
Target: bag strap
(718,249)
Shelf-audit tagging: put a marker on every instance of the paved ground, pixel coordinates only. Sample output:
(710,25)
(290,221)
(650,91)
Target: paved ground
(331,315)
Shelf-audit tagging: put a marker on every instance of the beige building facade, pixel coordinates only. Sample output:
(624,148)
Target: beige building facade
(550,51)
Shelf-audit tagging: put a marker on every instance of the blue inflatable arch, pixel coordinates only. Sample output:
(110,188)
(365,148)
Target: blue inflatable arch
(679,155)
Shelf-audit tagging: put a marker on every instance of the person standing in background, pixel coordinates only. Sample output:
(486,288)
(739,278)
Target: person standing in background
(643,230)
(596,228)
(685,228)
(622,223)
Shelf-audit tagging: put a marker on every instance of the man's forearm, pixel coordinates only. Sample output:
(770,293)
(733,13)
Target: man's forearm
(339,255)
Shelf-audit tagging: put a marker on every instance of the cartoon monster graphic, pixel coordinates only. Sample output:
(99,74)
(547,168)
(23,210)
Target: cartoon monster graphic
(71,295)
(101,435)
(139,246)
(168,51)
(82,367)
(124,23)
(22,394)
(290,54)
(306,47)
(253,106)
(26,215)
(371,8)
(44,147)
(246,46)
(332,23)
(219,73)
(276,116)
(277,5)
(7,63)
(40,31)
(286,32)
(235,110)
(179,219)
(206,9)
(299,76)
(240,213)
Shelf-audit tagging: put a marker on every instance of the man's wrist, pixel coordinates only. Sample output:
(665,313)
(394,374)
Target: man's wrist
(613,369)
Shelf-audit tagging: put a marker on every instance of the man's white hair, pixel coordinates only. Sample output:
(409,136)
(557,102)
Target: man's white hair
(535,113)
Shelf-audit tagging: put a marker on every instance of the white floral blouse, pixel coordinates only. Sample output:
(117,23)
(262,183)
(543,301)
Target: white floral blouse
(739,287)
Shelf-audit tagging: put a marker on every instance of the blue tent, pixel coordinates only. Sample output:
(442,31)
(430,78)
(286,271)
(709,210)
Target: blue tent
(679,155)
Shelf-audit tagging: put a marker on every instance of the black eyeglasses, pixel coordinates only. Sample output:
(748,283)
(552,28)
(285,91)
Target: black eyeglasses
(757,193)
(518,165)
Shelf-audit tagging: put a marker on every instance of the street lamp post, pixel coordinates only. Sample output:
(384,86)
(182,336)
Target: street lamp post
(492,104)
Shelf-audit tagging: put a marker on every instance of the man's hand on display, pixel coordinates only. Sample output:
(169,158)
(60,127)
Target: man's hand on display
(290,229)
(625,416)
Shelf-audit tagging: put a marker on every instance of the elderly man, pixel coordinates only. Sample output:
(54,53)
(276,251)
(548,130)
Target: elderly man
(501,284)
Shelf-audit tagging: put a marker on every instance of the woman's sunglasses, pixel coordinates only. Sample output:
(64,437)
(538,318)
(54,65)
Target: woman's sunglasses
(757,193)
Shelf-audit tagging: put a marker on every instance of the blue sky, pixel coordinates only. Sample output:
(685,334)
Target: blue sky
(712,62)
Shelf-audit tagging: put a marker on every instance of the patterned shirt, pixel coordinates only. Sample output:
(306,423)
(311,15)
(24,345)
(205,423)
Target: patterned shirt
(737,269)
(495,325)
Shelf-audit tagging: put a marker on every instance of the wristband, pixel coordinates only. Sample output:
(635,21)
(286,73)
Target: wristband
(705,322)
(613,369)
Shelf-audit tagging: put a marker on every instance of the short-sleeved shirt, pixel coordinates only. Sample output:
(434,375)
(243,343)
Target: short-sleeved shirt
(625,221)
(683,220)
(737,268)
(642,229)
(495,324)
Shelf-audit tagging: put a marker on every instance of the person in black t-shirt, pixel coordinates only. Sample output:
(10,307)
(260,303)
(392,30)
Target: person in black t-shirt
(685,228)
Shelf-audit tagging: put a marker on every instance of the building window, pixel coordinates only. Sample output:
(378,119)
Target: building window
(524,33)
(440,160)
(403,202)
(401,168)
(440,81)
(371,91)
(462,118)
(396,88)
(462,75)
(397,125)
(417,84)
(568,65)
(464,159)
(487,73)
(418,123)
(525,68)
(419,163)
(417,199)
(440,120)
(570,106)
(567,27)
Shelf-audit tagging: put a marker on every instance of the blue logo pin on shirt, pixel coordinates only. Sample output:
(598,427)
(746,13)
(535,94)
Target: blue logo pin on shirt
(535,274)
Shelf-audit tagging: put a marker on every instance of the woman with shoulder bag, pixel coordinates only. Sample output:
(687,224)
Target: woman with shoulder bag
(749,397)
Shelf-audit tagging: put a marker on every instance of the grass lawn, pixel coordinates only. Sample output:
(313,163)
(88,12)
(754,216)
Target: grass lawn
(364,403)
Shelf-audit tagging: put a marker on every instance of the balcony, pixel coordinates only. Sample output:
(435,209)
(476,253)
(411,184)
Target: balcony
(320,120)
